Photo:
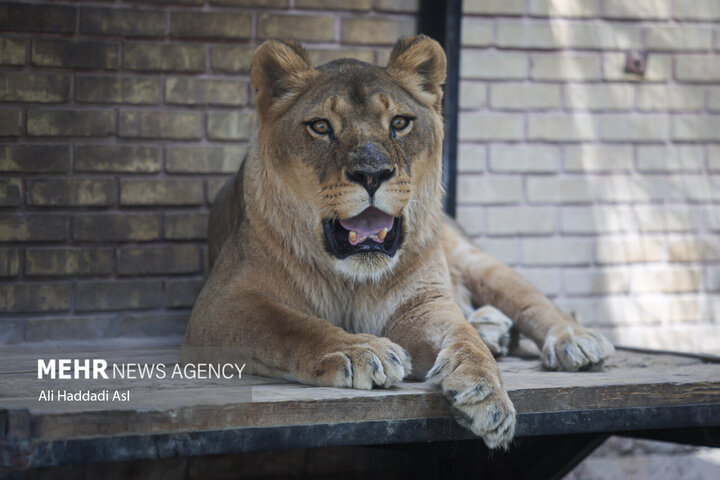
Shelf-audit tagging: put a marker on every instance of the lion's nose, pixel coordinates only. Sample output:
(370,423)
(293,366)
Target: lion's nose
(370,179)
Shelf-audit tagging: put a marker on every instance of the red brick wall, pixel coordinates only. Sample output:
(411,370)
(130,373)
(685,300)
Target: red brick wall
(119,122)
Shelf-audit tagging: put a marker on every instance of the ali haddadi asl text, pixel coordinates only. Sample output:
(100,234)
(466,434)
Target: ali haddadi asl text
(84,396)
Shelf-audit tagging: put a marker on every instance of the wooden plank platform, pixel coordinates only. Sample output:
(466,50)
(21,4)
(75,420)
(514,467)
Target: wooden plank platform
(634,391)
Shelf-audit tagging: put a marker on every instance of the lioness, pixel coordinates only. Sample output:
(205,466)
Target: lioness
(331,256)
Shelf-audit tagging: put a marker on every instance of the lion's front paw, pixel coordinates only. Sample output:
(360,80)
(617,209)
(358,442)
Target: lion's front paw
(572,348)
(493,327)
(478,399)
(375,362)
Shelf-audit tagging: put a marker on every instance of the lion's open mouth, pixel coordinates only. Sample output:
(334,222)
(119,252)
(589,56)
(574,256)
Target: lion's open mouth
(370,231)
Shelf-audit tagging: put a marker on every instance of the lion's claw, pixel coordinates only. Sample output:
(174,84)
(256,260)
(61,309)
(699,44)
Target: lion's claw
(493,327)
(573,348)
(478,400)
(377,362)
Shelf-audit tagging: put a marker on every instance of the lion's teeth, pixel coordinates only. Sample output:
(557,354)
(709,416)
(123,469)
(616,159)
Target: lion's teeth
(382,234)
(355,238)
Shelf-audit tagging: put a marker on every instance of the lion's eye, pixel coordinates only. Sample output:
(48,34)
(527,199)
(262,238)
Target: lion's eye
(400,123)
(321,127)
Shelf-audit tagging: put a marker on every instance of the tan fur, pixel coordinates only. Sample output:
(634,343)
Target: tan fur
(368,320)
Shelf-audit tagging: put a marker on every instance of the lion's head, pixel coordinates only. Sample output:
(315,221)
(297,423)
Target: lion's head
(351,153)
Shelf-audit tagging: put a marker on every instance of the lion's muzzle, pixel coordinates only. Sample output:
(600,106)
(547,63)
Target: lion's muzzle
(371,167)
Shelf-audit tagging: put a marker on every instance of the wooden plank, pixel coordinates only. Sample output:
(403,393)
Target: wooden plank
(43,453)
(630,380)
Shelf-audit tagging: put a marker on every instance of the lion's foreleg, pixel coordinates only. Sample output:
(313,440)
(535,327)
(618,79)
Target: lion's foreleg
(294,346)
(565,344)
(447,350)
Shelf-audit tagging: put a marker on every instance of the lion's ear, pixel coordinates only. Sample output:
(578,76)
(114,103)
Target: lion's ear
(278,71)
(419,63)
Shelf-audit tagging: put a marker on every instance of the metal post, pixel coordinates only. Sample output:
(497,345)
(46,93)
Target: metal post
(440,19)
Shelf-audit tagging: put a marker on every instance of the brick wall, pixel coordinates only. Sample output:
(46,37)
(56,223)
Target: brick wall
(119,123)
(602,187)
(120,120)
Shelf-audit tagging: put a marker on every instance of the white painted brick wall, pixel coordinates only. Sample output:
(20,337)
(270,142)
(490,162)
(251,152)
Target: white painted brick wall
(714,102)
(565,66)
(714,158)
(524,157)
(492,65)
(694,249)
(703,10)
(676,37)
(494,7)
(670,158)
(474,94)
(640,128)
(585,96)
(595,220)
(489,190)
(522,96)
(490,126)
(563,8)
(698,68)
(521,221)
(601,187)
(638,9)
(598,158)
(670,98)
(562,126)
(558,189)
(477,32)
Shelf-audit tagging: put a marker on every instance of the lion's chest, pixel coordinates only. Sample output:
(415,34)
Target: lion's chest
(357,312)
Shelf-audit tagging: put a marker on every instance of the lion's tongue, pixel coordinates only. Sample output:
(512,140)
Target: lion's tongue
(371,223)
